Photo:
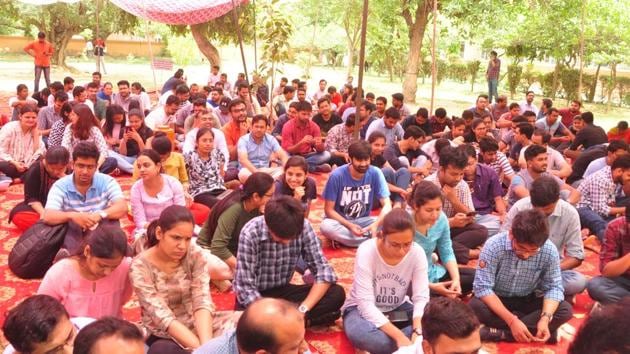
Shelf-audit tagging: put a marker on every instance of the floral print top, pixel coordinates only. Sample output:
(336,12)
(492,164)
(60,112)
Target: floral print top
(204,175)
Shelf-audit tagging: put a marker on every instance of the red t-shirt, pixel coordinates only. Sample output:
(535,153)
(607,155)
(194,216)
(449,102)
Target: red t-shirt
(567,116)
(613,134)
(43,52)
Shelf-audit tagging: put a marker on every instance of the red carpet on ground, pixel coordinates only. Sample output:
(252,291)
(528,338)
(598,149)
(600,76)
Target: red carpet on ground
(322,340)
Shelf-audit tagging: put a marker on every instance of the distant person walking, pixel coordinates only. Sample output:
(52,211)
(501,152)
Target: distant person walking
(492,74)
(41,50)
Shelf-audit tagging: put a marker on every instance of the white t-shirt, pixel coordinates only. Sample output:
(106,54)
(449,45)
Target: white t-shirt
(158,117)
(379,287)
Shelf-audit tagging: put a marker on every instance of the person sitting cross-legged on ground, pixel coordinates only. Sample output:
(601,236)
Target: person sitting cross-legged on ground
(564,229)
(95,281)
(468,236)
(259,151)
(109,335)
(37,183)
(296,183)
(205,169)
(84,198)
(449,326)
(388,125)
(40,324)
(614,263)
(172,283)
(407,153)
(377,317)
(433,234)
(269,249)
(301,136)
(21,144)
(348,197)
(221,232)
(268,325)
(597,206)
(125,136)
(512,267)
(397,181)
(339,139)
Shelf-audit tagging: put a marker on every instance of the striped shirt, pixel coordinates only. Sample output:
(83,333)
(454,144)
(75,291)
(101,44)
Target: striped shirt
(461,190)
(501,164)
(63,195)
(16,145)
(598,192)
(500,271)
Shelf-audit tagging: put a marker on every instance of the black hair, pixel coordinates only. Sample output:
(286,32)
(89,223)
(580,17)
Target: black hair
(440,144)
(322,100)
(203,131)
(467,115)
(414,132)
(360,150)
(450,156)
(530,227)
(398,96)
(615,145)
(382,99)
(488,144)
(284,217)
(151,154)
(553,109)
(161,143)
(469,150)
(392,112)
(423,192)
(604,331)
(526,129)
(547,102)
(106,241)
(136,112)
(21,87)
(57,86)
(169,217)
(477,122)
(110,112)
(375,136)
(172,99)
(369,106)
(370,95)
(181,89)
(257,183)
(179,73)
(622,162)
(85,150)
(137,86)
(32,322)
(483,95)
(304,106)
(105,327)
(588,117)
(622,125)
(57,155)
(397,220)
(29,108)
(68,80)
(41,34)
(458,122)
(440,112)
(533,151)
(123,82)
(92,84)
(544,191)
(61,96)
(514,105)
(66,108)
(449,317)
(519,119)
(288,89)
(546,137)
(422,112)
(350,120)
(259,117)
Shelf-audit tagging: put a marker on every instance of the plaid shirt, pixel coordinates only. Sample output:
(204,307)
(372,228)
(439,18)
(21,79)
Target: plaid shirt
(616,243)
(493,71)
(263,263)
(501,272)
(598,192)
(461,190)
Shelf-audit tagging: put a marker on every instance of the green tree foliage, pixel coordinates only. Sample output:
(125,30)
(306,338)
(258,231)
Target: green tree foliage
(276,31)
(61,21)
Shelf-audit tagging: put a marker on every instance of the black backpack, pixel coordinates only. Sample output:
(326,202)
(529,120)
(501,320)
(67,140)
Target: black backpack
(35,250)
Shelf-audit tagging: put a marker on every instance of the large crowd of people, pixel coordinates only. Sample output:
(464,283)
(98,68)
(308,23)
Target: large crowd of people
(469,226)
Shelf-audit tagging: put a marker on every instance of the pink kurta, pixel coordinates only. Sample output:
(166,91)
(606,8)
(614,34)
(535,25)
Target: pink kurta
(86,298)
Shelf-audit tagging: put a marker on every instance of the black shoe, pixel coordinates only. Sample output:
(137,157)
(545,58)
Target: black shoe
(489,334)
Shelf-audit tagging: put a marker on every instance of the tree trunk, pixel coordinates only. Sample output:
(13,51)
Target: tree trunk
(416,34)
(390,68)
(60,40)
(205,47)
(554,85)
(612,84)
(591,94)
(351,51)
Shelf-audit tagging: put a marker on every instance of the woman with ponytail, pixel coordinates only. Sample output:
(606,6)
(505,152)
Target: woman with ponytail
(172,283)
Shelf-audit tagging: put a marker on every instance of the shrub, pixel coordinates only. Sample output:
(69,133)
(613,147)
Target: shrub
(514,73)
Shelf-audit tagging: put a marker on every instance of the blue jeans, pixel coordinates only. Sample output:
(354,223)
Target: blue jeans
(493,90)
(608,290)
(491,222)
(400,178)
(332,229)
(38,76)
(573,282)
(125,163)
(593,221)
(315,159)
(364,335)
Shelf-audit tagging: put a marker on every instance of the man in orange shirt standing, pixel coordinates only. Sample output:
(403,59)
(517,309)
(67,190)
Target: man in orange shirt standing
(41,50)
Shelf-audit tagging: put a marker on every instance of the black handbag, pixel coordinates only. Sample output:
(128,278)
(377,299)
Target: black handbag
(35,250)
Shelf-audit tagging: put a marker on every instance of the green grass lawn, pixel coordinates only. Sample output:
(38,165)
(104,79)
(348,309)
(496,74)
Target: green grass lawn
(454,97)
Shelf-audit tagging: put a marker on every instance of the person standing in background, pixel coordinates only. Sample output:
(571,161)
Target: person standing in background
(41,50)
(492,74)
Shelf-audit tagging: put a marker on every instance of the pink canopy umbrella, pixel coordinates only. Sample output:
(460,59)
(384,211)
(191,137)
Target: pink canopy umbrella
(178,12)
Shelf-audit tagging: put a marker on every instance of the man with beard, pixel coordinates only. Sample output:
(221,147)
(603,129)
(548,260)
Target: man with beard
(258,149)
(84,198)
(513,267)
(301,136)
(326,118)
(536,159)
(528,104)
(164,115)
(349,195)
(597,206)
(100,106)
(569,113)
(389,125)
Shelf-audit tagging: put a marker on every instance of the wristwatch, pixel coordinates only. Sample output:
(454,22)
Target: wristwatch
(303,308)
(548,315)
(102,214)
(417,331)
